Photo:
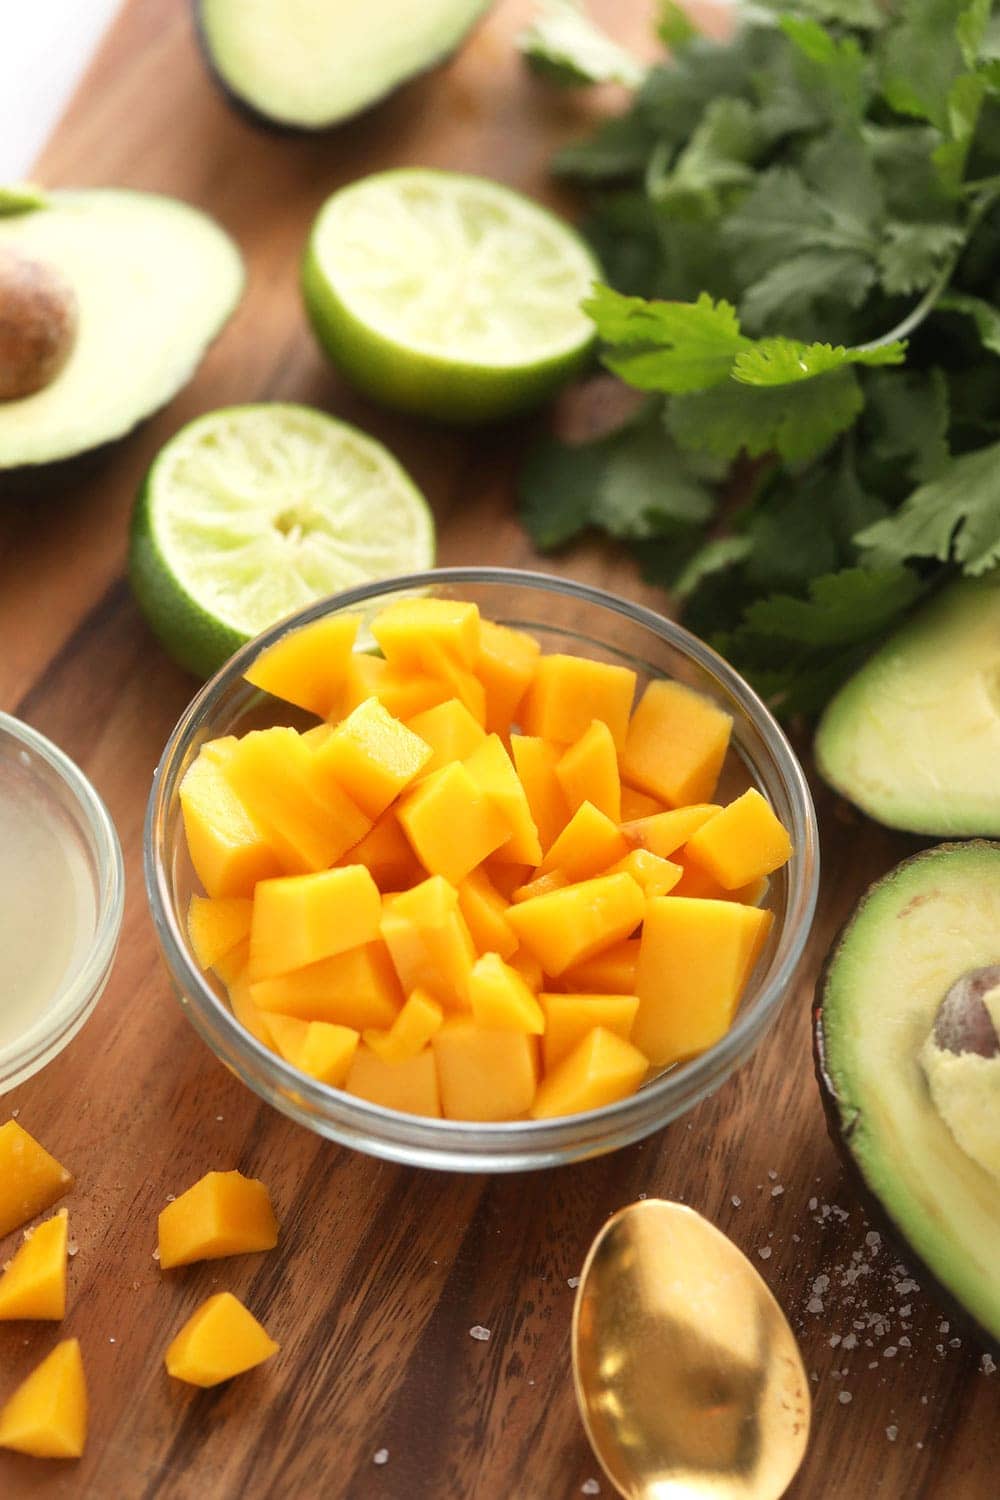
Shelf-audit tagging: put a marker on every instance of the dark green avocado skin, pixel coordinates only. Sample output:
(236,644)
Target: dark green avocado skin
(840,1127)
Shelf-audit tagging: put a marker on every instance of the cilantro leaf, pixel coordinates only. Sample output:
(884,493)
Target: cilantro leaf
(984,315)
(797,421)
(567,46)
(797,291)
(618,148)
(782,217)
(673,346)
(905,428)
(835,65)
(912,256)
(715,160)
(674,26)
(919,58)
(779,361)
(716,556)
(962,108)
(956,515)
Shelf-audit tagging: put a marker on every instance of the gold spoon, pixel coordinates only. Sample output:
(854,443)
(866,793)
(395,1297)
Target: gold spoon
(688,1377)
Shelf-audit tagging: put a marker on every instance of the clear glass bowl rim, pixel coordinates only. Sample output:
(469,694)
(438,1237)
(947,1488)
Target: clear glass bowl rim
(456,1144)
(69,1009)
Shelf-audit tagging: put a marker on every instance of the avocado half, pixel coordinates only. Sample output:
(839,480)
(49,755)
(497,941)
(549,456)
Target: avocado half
(914,933)
(154,280)
(913,738)
(308,64)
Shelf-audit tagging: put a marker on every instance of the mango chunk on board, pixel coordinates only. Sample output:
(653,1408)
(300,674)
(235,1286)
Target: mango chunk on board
(222,1339)
(30,1179)
(34,1284)
(676,744)
(46,1416)
(600,1070)
(224,1213)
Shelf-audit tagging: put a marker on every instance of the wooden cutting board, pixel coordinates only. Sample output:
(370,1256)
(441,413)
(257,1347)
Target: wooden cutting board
(382,1271)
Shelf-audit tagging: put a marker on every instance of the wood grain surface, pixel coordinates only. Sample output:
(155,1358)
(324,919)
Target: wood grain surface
(382,1271)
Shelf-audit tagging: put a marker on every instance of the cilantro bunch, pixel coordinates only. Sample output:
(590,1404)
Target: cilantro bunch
(801,232)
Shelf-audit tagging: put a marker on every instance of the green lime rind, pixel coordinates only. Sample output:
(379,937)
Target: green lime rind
(250,513)
(21,198)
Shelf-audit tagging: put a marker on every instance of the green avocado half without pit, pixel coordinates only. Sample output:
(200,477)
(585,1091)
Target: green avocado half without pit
(118,294)
(908,1060)
(913,738)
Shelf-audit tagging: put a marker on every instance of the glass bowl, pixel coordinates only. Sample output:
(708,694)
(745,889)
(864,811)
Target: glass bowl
(563,616)
(57,830)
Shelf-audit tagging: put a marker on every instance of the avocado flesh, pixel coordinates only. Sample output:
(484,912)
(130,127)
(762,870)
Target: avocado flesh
(915,932)
(913,738)
(154,279)
(310,63)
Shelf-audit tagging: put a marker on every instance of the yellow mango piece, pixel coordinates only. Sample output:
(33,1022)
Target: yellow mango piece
(568,692)
(228,849)
(541,885)
(694,961)
(636,804)
(224,1213)
(588,772)
(656,876)
(385,851)
(695,881)
(535,761)
(372,756)
(357,988)
(307,819)
(610,972)
(571,925)
(232,965)
(451,823)
(402,693)
(506,877)
(458,683)
(569,1017)
(484,910)
(217,925)
(243,1008)
(484,1074)
(677,742)
(741,843)
(34,1283)
(530,970)
(320,1049)
(589,843)
(301,919)
(220,1340)
(410,1032)
(413,633)
(666,832)
(429,942)
(308,666)
(46,1416)
(30,1179)
(506,666)
(450,732)
(493,771)
(600,1070)
(500,999)
(410,1085)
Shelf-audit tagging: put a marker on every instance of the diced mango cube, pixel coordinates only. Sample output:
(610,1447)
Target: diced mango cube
(30,1179)
(666,832)
(430,944)
(656,876)
(385,851)
(506,666)
(569,692)
(308,666)
(636,804)
(449,730)
(589,843)
(457,683)
(492,769)
(217,925)
(308,820)
(694,961)
(500,999)
(233,965)
(220,1340)
(34,1283)
(300,919)
(601,1069)
(610,972)
(413,633)
(402,693)
(530,970)
(229,850)
(588,772)
(224,1213)
(541,885)
(372,756)
(485,912)
(677,742)
(535,761)
(358,988)
(243,1008)
(568,1019)
(452,823)
(46,1416)
(571,925)
(318,1048)
(484,1075)
(410,1032)
(741,843)
(410,1085)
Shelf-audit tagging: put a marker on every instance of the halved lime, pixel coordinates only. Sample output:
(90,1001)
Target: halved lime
(251,512)
(448,295)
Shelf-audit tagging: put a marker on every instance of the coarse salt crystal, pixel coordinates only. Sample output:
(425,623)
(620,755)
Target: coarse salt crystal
(771,1173)
(156,1253)
(220,1118)
(905,1310)
(851,1341)
(14,1113)
(844,1397)
(988,1365)
(954,1343)
(573,1281)
(480,1333)
(72,1247)
(904,1342)
(590,1487)
(820,1284)
(380,1456)
(892,1432)
(835,1339)
(777,1191)
(890,1351)
(814,1305)
(735,1201)
(944,1326)
(812,1204)
(764,1252)
(873,1239)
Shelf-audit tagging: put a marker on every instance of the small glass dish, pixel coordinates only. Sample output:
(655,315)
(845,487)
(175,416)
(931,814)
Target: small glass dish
(62,885)
(563,616)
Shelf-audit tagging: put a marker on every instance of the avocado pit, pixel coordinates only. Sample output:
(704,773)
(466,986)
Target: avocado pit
(961,1062)
(38,324)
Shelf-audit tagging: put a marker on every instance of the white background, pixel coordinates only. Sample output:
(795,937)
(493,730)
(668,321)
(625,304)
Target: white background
(45,46)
